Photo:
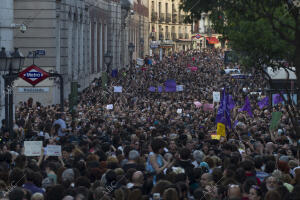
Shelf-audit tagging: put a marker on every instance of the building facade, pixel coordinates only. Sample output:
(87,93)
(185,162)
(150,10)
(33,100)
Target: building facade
(168,32)
(204,35)
(75,35)
(138,28)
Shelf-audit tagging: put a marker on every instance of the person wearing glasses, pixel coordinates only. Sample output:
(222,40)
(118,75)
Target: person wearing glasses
(255,193)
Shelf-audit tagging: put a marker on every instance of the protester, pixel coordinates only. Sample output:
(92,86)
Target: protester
(153,144)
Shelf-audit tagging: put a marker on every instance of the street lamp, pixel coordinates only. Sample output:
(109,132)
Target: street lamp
(11,63)
(107,60)
(142,47)
(131,49)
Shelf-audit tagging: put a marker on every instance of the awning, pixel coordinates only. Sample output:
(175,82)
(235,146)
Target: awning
(184,40)
(212,40)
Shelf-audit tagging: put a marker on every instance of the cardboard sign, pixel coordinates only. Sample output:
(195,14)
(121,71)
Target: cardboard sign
(179,88)
(118,89)
(208,107)
(215,137)
(140,61)
(54,150)
(221,130)
(33,148)
(216,96)
(110,107)
(197,104)
(179,111)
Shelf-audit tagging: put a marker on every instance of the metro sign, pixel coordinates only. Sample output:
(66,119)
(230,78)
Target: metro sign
(33,75)
(198,36)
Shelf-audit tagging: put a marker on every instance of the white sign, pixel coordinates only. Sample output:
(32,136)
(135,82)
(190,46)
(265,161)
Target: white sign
(216,96)
(179,111)
(140,61)
(110,107)
(150,52)
(117,88)
(54,150)
(179,88)
(33,90)
(33,148)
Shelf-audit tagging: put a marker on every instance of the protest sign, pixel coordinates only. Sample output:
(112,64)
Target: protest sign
(221,130)
(140,61)
(193,69)
(117,88)
(110,107)
(33,148)
(197,104)
(54,150)
(208,107)
(179,88)
(276,116)
(160,89)
(179,111)
(152,89)
(215,137)
(216,96)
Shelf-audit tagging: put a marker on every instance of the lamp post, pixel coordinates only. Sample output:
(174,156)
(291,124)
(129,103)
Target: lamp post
(107,60)
(142,47)
(131,49)
(11,63)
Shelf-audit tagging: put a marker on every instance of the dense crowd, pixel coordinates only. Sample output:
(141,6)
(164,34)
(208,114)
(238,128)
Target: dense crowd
(144,148)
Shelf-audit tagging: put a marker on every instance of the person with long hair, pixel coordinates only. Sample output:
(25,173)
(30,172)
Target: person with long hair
(255,193)
(156,163)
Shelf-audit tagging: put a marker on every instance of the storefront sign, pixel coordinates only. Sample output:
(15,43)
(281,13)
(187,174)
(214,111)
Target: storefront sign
(33,90)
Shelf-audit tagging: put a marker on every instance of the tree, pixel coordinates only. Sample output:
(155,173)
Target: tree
(263,32)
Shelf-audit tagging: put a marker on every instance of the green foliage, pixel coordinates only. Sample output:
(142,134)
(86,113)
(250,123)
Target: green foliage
(261,31)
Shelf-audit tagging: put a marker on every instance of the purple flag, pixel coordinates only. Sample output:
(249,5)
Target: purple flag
(170,86)
(223,115)
(235,123)
(231,103)
(114,73)
(152,89)
(277,99)
(160,89)
(264,102)
(247,107)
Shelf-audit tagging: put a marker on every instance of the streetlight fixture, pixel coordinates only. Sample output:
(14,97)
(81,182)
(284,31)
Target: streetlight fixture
(107,60)
(11,63)
(131,48)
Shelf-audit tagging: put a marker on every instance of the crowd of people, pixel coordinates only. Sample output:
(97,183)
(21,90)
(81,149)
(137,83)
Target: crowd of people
(143,148)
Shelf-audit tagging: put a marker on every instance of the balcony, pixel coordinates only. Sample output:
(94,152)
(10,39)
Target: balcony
(161,36)
(167,36)
(174,36)
(174,18)
(161,17)
(181,19)
(180,35)
(152,35)
(187,36)
(154,16)
(168,18)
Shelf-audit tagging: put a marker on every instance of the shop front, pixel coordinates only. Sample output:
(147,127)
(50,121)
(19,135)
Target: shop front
(183,45)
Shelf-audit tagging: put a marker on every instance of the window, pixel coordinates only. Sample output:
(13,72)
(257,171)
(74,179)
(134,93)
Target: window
(159,8)
(166,8)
